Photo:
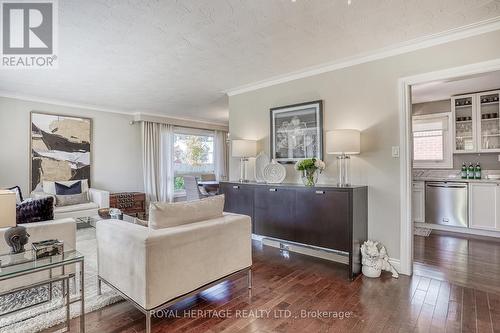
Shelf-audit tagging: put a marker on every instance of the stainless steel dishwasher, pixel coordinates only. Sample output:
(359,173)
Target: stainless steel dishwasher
(447,203)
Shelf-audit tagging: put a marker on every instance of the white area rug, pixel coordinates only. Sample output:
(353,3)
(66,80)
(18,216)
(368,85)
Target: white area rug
(53,313)
(419,231)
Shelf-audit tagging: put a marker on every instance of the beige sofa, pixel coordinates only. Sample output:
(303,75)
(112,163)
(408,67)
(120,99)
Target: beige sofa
(98,199)
(63,229)
(156,268)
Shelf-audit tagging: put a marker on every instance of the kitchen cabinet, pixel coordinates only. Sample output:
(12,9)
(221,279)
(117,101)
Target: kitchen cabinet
(465,123)
(476,122)
(418,201)
(488,121)
(484,203)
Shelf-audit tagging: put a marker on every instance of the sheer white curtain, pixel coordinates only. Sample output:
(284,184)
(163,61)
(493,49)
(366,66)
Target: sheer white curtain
(157,158)
(221,155)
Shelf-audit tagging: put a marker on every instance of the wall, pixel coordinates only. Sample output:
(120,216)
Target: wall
(488,161)
(116,156)
(364,97)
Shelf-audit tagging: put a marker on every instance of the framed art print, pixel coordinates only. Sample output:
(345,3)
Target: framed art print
(297,132)
(60,148)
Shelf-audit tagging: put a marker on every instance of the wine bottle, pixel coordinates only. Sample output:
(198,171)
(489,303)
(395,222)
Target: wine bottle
(464,171)
(477,172)
(470,171)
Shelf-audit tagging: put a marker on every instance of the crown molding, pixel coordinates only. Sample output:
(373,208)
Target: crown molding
(466,31)
(60,102)
(136,116)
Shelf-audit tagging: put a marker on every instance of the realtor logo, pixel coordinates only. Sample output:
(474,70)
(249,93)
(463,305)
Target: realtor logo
(28,34)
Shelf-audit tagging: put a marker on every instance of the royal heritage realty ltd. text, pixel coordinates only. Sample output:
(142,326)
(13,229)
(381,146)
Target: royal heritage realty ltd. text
(256,314)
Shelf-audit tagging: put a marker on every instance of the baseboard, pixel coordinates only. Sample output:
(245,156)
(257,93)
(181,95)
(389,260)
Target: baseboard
(468,231)
(396,263)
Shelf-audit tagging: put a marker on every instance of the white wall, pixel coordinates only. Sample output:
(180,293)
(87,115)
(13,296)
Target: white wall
(116,155)
(364,97)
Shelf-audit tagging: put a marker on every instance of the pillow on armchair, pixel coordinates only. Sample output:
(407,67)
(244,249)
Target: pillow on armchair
(35,210)
(165,215)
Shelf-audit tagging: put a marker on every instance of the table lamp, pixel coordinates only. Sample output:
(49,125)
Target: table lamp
(16,236)
(243,149)
(343,142)
(7,209)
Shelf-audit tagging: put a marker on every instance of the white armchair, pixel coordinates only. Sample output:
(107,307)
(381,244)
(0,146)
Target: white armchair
(63,230)
(156,268)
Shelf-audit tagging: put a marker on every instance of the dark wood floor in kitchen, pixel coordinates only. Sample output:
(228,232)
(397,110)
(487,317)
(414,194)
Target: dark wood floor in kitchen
(298,282)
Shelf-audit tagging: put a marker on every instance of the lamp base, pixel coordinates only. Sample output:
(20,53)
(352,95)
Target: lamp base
(243,170)
(343,162)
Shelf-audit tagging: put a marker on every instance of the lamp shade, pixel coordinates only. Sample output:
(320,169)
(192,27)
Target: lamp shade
(244,148)
(7,209)
(344,141)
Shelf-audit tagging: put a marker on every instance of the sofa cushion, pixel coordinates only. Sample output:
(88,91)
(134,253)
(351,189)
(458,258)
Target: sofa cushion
(74,208)
(72,199)
(165,215)
(35,210)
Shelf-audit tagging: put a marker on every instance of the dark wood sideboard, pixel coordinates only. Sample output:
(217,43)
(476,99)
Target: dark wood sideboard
(329,217)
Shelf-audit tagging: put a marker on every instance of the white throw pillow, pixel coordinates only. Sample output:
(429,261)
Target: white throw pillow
(165,215)
(50,186)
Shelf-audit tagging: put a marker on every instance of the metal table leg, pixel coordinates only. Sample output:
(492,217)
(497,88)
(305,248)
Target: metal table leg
(82,297)
(68,303)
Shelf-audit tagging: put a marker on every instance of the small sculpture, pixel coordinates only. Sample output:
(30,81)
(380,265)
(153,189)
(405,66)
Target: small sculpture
(16,238)
(375,259)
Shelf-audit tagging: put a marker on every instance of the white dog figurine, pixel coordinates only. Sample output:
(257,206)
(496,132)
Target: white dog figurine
(375,259)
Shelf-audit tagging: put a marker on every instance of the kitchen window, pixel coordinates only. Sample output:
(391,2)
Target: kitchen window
(432,141)
(193,155)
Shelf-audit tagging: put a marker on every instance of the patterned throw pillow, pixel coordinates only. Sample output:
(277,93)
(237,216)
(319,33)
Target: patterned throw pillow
(72,199)
(35,210)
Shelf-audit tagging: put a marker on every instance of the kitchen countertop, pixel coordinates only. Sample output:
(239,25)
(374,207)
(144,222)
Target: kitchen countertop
(455,179)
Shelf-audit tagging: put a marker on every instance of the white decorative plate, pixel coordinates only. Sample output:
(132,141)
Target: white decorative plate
(261,161)
(274,173)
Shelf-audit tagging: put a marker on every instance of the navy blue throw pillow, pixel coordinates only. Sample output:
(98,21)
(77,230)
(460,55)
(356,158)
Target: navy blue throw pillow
(36,210)
(62,189)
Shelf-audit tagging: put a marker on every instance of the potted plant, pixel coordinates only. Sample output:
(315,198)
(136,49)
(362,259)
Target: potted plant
(310,168)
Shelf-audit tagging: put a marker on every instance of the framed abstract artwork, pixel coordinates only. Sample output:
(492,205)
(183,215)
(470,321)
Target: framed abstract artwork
(297,132)
(60,148)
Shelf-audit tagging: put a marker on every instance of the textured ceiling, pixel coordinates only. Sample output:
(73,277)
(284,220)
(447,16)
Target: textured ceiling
(441,90)
(176,57)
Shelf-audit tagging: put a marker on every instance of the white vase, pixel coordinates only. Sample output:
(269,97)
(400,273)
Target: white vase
(371,272)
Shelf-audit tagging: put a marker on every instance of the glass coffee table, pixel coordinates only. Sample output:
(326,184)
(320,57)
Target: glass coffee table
(91,221)
(13,266)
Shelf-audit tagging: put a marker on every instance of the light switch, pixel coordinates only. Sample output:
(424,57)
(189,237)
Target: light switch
(395,151)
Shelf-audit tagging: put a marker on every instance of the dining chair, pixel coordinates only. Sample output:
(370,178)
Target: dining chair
(193,191)
(208,177)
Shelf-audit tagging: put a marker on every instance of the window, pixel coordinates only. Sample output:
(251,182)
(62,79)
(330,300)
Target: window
(193,154)
(428,146)
(432,141)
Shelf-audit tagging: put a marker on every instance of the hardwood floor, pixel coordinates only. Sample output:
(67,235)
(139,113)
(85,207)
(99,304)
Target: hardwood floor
(297,283)
(464,260)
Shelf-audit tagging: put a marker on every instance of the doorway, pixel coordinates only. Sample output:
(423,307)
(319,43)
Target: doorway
(410,248)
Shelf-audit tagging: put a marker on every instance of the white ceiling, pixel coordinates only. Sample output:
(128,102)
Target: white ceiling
(441,90)
(176,57)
